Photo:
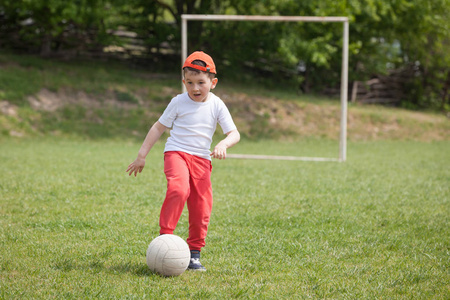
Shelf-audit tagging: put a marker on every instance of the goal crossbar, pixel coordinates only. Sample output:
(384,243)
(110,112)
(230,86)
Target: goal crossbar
(344,72)
(263,18)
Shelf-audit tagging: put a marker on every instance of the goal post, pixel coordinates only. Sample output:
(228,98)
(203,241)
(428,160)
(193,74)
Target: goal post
(344,71)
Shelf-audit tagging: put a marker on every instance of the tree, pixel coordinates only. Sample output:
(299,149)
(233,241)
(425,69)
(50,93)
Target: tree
(57,26)
(384,35)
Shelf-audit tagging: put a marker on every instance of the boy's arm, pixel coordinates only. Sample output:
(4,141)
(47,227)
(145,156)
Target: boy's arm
(220,151)
(152,136)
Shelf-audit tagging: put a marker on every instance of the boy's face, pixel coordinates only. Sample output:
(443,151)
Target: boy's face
(198,85)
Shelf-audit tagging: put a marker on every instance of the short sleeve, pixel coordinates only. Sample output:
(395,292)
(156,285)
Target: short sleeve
(224,119)
(170,113)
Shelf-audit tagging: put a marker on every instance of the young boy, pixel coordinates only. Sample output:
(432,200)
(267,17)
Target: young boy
(193,117)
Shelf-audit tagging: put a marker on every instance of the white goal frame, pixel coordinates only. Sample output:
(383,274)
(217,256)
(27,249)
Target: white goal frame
(344,72)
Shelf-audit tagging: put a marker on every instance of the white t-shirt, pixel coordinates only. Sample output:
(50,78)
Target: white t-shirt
(194,123)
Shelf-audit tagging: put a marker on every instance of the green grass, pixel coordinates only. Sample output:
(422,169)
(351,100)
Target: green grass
(73,225)
(24,75)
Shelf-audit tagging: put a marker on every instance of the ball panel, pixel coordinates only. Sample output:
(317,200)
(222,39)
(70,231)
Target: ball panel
(176,259)
(176,263)
(174,267)
(175,242)
(155,254)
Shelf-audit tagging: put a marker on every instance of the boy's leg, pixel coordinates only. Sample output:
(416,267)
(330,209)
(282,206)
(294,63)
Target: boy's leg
(199,202)
(177,175)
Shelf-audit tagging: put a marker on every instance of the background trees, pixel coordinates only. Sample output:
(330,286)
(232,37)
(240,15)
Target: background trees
(384,36)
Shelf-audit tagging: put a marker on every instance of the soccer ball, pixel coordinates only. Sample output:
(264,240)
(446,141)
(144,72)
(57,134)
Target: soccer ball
(168,255)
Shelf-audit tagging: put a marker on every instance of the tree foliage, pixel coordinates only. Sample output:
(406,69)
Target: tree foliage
(384,35)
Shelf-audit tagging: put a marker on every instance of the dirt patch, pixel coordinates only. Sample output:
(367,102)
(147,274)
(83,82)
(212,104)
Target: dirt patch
(261,117)
(8,109)
(47,100)
(289,119)
(286,119)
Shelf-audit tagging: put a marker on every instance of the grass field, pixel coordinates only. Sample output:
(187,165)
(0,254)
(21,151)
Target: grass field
(73,225)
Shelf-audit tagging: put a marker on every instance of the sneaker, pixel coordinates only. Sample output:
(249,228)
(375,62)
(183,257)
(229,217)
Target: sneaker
(194,264)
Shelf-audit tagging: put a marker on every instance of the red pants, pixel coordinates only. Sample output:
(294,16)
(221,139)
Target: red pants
(188,179)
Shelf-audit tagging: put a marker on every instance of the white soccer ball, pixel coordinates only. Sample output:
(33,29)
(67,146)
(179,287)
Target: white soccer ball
(168,255)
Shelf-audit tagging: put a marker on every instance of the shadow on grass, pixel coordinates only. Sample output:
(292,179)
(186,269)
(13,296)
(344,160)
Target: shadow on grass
(131,267)
(96,266)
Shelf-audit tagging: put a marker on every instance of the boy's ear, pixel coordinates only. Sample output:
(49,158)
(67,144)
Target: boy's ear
(214,82)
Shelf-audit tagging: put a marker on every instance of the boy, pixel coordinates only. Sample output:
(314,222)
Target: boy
(193,117)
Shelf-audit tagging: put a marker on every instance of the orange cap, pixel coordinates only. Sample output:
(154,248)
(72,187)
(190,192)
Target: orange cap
(200,55)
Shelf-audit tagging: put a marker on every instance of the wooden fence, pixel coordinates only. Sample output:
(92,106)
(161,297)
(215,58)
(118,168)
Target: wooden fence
(383,89)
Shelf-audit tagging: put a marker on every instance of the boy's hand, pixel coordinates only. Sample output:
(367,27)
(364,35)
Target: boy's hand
(136,166)
(220,151)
